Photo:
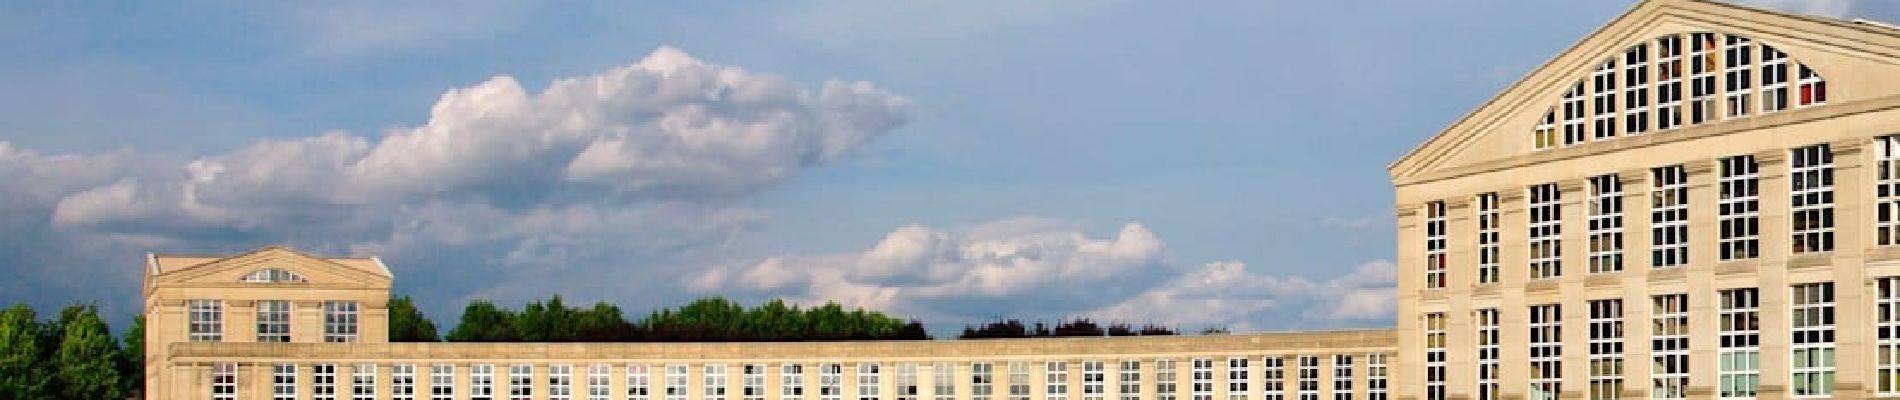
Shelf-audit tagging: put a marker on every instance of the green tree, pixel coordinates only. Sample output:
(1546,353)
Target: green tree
(88,356)
(20,355)
(132,362)
(483,322)
(407,324)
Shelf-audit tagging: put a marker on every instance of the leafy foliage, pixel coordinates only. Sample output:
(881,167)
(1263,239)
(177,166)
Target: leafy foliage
(407,324)
(88,356)
(1079,327)
(703,320)
(21,357)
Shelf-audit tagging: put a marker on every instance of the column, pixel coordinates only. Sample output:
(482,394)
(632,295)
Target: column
(1461,244)
(1513,321)
(1636,185)
(1773,274)
(1570,285)
(1853,293)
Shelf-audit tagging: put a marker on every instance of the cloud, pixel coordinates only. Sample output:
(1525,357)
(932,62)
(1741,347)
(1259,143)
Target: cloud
(1825,8)
(1043,268)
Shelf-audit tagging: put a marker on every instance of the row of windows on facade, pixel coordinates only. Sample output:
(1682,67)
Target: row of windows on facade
(1738,216)
(486,382)
(1629,98)
(205,321)
(1811,337)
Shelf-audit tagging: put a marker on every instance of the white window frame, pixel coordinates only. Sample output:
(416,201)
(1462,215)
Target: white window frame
(1273,378)
(791,381)
(1774,79)
(1201,379)
(905,383)
(1435,365)
(599,382)
(1636,86)
(1810,89)
(273,321)
(323,381)
(1129,379)
(1739,352)
(1669,346)
(1669,82)
(982,380)
(1811,359)
(339,321)
(206,320)
(1887,190)
(1435,245)
(1702,84)
(223,385)
(1544,135)
(1165,382)
(1606,348)
(560,382)
(402,382)
(1669,216)
(1574,116)
(1309,377)
(1019,380)
(1488,353)
(1887,336)
(1546,231)
(676,382)
(521,382)
(283,381)
(1237,378)
(1738,208)
(363,382)
(1605,220)
(442,382)
(1603,103)
(1811,199)
(943,380)
(639,382)
(1342,377)
(1546,352)
(1094,379)
(752,381)
(712,382)
(831,381)
(481,382)
(1738,71)
(870,383)
(1378,377)
(1055,379)
(1488,249)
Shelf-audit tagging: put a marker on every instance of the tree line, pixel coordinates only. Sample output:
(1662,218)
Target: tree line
(710,319)
(1079,327)
(73,356)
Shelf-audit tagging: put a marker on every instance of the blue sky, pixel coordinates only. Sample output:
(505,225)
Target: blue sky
(1213,163)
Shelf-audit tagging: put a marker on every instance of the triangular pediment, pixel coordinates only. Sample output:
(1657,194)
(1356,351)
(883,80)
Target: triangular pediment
(1849,61)
(277,266)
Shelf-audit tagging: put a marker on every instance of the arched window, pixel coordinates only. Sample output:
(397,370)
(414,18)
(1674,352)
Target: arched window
(273,275)
(1697,78)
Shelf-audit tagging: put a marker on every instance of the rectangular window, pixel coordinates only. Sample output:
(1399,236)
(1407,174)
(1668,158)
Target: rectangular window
(1237,378)
(1812,319)
(442,382)
(944,381)
(791,381)
(1740,352)
(1669,216)
(1546,352)
(1574,115)
(1544,135)
(1309,378)
(1811,89)
(223,381)
(1887,337)
(1739,208)
(713,381)
(339,321)
(1603,102)
(561,382)
(1435,245)
(598,380)
(906,381)
(363,382)
(640,382)
(1636,90)
(1702,71)
(521,382)
(1164,379)
(982,380)
(1606,224)
(1546,232)
(1272,378)
(1488,238)
(481,382)
(323,382)
(1094,380)
(752,382)
(1201,378)
(831,381)
(1811,198)
(1376,377)
(273,321)
(207,320)
(1740,80)
(283,380)
(1669,82)
(1774,79)
(1669,346)
(675,382)
(1056,380)
(1435,356)
(1018,380)
(1488,354)
(1887,191)
(1606,348)
(402,381)
(1342,377)
(868,381)
(1130,379)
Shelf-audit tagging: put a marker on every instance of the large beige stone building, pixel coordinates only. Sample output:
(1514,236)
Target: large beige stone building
(278,324)
(1696,201)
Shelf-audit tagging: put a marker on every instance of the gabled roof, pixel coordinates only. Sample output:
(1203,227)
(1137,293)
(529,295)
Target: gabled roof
(1513,111)
(179,268)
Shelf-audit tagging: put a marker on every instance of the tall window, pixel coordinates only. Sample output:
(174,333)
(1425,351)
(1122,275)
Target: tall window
(868,381)
(1669,82)
(339,321)
(224,381)
(1603,83)
(207,320)
(1669,216)
(283,380)
(1546,232)
(1739,208)
(1376,377)
(1342,377)
(323,382)
(1740,352)
(442,382)
(1164,379)
(1273,378)
(1812,319)
(945,380)
(1812,89)
(1606,348)
(1546,348)
(1094,380)
(1055,380)
(1811,177)
(1606,224)
(1887,337)
(402,381)
(1774,79)
(599,379)
(1488,238)
(640,382)
(363,382)
(1019,380)
(1435,356)
(1739,80)
(752,382)
(1130,380)
(906,381)
(1237,378)
(521,382)
(1574,115)
(1702,71)
(982,380)
(791,385)
(1669,346)
(675,381)
(561,382)
(1488,353)
(273,321)
(1309,378)
(1202,378)
(1435,245)
(1636,89)
(481,382)
(712,381)
(1887,189)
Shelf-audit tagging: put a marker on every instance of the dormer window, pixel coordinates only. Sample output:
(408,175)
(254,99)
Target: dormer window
(273,275)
